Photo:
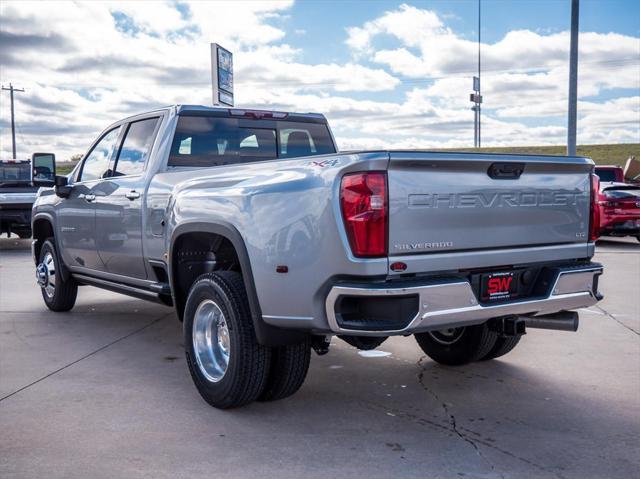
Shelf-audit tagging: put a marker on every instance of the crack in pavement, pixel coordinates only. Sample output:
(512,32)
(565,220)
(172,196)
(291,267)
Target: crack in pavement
(607,313)
(452,419)
(474,442)
(102,348)
(444,429)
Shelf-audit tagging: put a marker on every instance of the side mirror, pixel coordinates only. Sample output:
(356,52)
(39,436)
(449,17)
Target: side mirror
(43,169)
(62,188)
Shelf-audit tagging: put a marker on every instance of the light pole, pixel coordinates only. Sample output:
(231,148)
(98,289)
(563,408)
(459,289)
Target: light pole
(476,97)
(479,94)
(573,79)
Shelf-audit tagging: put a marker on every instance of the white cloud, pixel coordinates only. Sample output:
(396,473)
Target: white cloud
(411,25)
(525,76)
(86,64)
(429,48)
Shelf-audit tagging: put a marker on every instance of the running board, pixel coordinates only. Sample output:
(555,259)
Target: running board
(157,292)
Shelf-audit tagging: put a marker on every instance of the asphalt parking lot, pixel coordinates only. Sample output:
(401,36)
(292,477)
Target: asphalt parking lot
(104,391)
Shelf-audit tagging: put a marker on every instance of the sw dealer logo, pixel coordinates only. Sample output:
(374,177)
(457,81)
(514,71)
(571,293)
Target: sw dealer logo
(499,285)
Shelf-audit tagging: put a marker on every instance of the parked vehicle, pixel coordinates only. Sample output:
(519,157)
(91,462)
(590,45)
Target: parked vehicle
(619,209)
(267,242)
(19,183)
(610,173)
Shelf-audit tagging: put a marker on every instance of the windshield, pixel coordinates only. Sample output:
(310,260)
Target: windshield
(15,172)
(214,141)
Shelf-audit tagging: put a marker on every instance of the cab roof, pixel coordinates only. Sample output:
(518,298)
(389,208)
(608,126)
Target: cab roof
(201,110)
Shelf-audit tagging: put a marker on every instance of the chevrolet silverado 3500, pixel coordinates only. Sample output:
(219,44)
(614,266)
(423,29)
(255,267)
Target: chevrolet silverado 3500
(267,241)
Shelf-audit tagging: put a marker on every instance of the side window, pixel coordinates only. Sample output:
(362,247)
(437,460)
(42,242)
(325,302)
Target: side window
(136,147)
(97,163)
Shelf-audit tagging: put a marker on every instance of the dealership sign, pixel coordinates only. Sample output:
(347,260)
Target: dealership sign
(222,75)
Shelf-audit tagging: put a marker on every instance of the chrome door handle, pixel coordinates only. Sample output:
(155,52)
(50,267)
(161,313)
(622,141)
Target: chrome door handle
(132,195)
(88,198)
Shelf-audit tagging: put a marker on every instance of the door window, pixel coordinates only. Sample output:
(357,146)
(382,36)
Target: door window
(97,163)
(136,147)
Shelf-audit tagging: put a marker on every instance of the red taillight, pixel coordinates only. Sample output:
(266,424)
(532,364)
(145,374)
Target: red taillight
(594,213)
(363,198)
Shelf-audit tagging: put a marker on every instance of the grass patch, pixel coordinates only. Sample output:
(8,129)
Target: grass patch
(601,154)
(64,169)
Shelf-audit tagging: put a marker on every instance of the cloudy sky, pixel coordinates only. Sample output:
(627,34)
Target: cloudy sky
(386,74)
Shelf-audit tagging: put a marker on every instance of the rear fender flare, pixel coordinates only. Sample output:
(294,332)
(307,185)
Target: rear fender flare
(266,334)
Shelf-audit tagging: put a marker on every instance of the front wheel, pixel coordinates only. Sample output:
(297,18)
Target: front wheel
(59,294)
(227,364)
(457,346)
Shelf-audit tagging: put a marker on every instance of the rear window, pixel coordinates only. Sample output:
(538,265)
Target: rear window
(15,172)
(606,175)
(627,193)
(213,141)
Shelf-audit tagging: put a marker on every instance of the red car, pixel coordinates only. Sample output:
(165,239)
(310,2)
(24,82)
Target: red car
(619,209)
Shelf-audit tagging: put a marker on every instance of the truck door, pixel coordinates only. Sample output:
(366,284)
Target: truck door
(119,201)
(76,214)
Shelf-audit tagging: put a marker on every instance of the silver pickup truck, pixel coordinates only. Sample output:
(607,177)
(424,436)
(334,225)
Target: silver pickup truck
(268,242)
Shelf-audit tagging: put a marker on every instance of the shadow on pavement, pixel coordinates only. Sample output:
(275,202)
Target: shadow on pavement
(623,245)
(14,244)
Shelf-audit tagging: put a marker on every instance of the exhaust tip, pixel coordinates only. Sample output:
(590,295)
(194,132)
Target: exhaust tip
(561,321)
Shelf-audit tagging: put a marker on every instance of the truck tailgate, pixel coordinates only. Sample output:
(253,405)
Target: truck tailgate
(465,201)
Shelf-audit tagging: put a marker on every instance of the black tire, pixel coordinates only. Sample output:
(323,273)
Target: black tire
(63,296)
(246,374)
(503,346)
(638,238)
(289,366)
(364,343)
(461,346)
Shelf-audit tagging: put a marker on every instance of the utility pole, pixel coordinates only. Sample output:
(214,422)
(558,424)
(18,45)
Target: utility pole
(13,120)
(573,79)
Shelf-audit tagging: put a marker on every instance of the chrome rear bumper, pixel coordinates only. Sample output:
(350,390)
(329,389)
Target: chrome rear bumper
(452,303)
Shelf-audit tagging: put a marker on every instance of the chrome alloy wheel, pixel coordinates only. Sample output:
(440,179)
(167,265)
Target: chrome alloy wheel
(46,274)
(211,341)
(447,336)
